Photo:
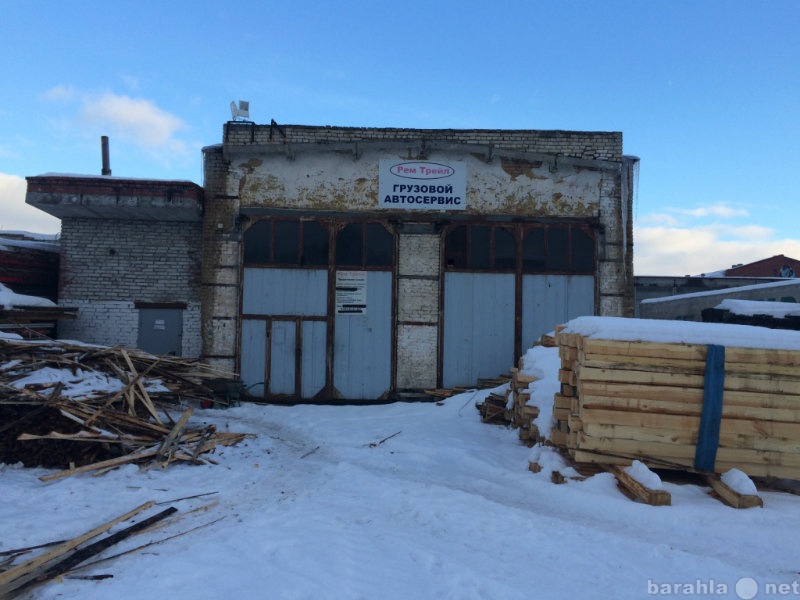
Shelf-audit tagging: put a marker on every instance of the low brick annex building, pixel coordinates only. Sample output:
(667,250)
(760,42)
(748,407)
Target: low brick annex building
(330,263)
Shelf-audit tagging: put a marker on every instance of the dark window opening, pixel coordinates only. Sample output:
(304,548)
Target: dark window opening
(315,244)
(455,248)
(533,250)
(582,251)
(557,258)
(379,246)
(480,243)
(287,242)
(257,242)
(349,244)
(505,249)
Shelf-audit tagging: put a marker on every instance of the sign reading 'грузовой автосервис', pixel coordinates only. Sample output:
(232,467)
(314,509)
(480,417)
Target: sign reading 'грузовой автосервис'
(422,185)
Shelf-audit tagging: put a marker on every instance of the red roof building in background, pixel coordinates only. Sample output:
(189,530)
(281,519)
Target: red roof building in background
(776,266)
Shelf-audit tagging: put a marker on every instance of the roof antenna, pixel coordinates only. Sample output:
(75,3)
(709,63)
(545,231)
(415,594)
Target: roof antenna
(242,111)
(104,145)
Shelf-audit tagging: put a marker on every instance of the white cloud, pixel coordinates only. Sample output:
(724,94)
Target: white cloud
(658,219)
(720,209)
(677,251)
(134,120)
(60,93)
(140,121)
(15,215)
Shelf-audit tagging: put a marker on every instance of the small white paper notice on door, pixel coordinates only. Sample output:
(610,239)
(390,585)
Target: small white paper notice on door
(351,292)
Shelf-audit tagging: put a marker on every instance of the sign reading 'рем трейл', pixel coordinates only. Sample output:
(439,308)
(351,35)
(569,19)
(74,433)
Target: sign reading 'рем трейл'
(422,185)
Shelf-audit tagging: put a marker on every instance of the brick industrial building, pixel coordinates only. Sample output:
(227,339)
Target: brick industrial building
(329,263)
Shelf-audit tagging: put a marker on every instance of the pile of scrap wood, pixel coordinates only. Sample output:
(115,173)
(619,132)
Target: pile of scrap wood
(93,408)
(658,402)
(62,558)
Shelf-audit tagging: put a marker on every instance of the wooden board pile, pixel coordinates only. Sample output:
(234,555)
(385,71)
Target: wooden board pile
(45,423)
(626,400)
(522,414)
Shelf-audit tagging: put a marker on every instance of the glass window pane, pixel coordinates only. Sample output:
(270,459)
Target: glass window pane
(480,236)
(557,249)
(533,250)
(582,251)
(287,236)
(348,246)
(379,246)
(455,248)
(315,244)
(505,249)
(257,242)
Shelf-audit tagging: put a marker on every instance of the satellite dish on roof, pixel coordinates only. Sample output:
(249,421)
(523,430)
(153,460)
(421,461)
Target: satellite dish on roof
(240,112)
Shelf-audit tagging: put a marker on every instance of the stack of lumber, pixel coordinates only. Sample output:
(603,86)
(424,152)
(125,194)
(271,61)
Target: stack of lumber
(626,400)
(50,417)
(523,414)
(493,408)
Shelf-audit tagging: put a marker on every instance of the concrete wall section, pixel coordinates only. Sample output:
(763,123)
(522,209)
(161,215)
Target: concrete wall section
(319,179)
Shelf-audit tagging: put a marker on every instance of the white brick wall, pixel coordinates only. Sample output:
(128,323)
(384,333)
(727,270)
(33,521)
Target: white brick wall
(416,363)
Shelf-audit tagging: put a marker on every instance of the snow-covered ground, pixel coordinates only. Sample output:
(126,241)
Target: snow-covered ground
(414,501)
(325,503)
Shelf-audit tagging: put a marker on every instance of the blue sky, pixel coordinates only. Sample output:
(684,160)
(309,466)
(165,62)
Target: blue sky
(706,93)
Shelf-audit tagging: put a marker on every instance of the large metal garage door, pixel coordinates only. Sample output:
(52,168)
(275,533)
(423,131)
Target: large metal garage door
(505,284)
(478,327)
(305,335)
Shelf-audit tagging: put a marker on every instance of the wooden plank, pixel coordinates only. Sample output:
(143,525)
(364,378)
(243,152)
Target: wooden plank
(730,496)
(569,339)
(561,401)
(568,353)
(687,437)
(646,363)
(750,383)
(144,395)
(639,490)
(172,438)
(679,365)
(766,383)
(729,411)
(575,423)
(764,356)
(113,462)
(741,458)
(20,574)
(746,427)
(567,377)
(596,346)
(638,377)
(689,395)
(558,438)
(561,414)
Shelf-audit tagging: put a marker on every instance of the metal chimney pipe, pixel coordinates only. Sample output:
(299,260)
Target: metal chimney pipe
(106,165)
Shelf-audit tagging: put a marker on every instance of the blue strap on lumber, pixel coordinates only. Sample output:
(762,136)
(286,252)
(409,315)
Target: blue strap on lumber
(708,435)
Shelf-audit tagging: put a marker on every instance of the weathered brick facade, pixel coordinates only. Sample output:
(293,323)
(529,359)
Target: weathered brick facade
(523,175)
(133,244)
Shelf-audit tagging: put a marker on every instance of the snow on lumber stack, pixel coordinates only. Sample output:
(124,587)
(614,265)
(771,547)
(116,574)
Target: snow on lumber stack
(680,395)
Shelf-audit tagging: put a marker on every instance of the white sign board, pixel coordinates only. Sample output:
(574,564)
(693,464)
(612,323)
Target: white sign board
(422,185)
(351,292)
